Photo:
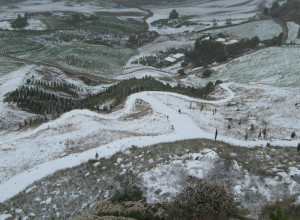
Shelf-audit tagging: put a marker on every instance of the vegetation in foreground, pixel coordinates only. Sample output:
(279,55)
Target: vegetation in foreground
(75,191)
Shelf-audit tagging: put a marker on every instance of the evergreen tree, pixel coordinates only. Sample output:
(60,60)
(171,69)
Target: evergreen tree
(174,14)
(20,22)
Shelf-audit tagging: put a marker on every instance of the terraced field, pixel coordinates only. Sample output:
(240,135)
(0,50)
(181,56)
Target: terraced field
(104,23)
(13,42)
(277,66)
(264,29)
(101,60)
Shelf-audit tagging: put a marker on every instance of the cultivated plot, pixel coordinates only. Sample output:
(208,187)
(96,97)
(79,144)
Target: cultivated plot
(278,66)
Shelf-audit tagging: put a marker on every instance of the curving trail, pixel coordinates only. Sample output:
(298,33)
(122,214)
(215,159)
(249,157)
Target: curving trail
(184,128)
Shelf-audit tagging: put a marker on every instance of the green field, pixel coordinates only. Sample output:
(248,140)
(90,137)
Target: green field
(7,65)
(55,23)
(104,23)
(95,59)
(17,41)
(109,23)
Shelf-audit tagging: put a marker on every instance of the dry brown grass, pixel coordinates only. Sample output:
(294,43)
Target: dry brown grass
(140,109)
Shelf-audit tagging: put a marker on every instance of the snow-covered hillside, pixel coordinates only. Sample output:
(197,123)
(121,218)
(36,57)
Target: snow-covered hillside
(245,132)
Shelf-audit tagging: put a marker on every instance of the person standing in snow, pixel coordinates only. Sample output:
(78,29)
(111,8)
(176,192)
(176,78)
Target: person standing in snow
(216,134)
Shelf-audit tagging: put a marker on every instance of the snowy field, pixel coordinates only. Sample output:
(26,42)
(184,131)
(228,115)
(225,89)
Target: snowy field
(74,132)
(278,66)
(255,112)
(253,108)
(248,186)
(205,12)
(264,30)
(46,156)
(155,127)
(8,83)
(59,6)
(293,33)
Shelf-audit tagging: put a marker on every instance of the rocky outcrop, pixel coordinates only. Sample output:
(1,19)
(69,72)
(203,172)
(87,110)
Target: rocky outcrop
(106,210)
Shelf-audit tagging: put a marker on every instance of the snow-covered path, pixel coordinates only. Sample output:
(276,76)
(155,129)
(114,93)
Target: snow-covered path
(184,128)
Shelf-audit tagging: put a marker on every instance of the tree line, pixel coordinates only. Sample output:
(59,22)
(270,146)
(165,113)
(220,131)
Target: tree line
(208,51)
(288,11)
(37,100)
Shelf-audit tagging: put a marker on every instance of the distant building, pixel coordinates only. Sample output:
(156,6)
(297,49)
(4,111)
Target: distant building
(178,56)
(228,40)
(232,40)
(174,58)
(170,60)
(220,39)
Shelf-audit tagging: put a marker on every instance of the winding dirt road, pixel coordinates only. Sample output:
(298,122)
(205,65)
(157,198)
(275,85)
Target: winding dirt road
(283,25)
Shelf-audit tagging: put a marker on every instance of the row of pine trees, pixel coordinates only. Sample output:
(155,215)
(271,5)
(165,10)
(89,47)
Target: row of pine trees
(36,97)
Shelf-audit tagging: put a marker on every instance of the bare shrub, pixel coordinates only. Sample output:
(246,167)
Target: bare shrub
(204,199)
(129,187)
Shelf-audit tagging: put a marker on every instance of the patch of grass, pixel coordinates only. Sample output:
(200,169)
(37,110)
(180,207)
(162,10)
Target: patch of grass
(7,65)
(17,42)
(286,205)
(55,23)
(264,158)
(109,23)
(103,23)
(99,60)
